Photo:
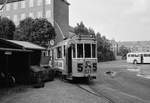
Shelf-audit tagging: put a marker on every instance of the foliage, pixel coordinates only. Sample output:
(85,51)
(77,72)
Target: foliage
(81,29)
(38,31)
(104,52)
(7,28)
(123,51)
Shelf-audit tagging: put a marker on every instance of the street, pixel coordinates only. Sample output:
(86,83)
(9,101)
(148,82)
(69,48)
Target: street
(123,86)
(114,83)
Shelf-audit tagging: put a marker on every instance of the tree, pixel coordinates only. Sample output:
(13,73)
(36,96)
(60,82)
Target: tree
(38,31)
(123,51)
(103,45)
(7,28)
(104,52)
(81,29)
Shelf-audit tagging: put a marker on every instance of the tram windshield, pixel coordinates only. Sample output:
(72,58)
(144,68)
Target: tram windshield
(86,50)
(79,50)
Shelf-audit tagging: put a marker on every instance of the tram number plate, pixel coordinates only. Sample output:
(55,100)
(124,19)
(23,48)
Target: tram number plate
(87,71)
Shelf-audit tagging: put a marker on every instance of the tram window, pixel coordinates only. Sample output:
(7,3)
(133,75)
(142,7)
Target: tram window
(59,52)
(80,50)
(87,49)
(64,50)
(93,50)
(74,51)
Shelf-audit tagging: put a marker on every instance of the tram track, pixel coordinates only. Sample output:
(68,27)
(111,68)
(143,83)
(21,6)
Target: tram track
(91,91)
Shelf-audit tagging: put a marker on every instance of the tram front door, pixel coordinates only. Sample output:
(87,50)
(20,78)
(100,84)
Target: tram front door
(69,60)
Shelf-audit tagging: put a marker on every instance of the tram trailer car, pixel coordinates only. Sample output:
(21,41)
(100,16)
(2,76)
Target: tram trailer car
(75,57)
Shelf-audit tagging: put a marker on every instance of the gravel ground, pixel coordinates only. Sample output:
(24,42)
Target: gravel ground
(53,92)
(123,87)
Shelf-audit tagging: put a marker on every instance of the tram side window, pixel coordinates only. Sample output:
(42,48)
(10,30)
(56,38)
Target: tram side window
(80,50)
(59,52)
(74,51)
(87,49)
(93,50)
(64,50)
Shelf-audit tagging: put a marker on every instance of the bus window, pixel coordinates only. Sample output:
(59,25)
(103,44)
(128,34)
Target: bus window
(129,55)
(59,52)
(87,49)
(93,50)
(80,50)
(74,50)
(136,55)
(146,55)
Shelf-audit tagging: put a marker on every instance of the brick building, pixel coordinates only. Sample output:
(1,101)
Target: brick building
(56,11)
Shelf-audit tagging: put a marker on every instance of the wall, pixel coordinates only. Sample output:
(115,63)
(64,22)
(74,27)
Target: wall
(61,19)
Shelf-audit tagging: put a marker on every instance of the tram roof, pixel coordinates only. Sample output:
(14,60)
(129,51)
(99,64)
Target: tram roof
(75,38)
(64,42)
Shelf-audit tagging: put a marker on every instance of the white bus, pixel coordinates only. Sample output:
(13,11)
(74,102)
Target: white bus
(138,57)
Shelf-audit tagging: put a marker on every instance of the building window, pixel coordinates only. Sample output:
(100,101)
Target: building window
(48,13)
(23,16)
(8,7)
(23,4)
(39,14)
(15,5)
(31,15)
(39,2)
(47,1)
(31,3)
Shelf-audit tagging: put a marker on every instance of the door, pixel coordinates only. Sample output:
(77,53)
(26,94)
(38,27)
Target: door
(69,60)
(142,58)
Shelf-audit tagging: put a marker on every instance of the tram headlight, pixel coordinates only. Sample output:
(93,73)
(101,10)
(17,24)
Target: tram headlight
(94,67)
(80,67)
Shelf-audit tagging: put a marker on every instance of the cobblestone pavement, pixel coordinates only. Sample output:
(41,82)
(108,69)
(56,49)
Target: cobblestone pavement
(53,92)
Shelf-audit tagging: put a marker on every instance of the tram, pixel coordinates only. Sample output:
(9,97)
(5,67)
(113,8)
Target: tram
(75,57)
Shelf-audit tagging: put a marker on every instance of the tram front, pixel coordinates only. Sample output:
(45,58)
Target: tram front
(84,59)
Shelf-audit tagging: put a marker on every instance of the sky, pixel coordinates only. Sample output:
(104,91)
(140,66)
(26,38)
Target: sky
(122,20)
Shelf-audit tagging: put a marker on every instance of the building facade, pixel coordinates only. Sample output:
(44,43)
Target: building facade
(136,46)
(56,11)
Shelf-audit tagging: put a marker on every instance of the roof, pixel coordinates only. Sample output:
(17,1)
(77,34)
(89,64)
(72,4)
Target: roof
(27,45)
(18,50)
(66,2)
(9,1)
